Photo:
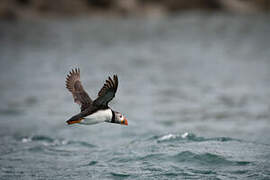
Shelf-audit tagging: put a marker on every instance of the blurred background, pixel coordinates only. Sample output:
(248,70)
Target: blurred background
(194,86)
(12,9)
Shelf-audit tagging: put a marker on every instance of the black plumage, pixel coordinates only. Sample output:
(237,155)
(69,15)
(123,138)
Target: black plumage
(80,96)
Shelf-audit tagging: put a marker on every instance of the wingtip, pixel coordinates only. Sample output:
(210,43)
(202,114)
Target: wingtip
(74,71)
(77,70)
(72,76)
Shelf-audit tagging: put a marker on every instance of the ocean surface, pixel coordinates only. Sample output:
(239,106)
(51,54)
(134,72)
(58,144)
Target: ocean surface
(195,89)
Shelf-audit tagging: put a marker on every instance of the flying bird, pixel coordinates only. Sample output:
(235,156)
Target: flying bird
(97,111)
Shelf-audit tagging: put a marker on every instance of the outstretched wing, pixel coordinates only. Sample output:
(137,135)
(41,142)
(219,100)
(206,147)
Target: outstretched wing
(107,92)
(74,85)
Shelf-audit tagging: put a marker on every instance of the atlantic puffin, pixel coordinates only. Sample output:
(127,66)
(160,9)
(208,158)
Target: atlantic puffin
(97,111)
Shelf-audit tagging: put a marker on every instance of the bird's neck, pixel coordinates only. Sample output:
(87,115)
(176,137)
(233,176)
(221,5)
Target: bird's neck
(113,117)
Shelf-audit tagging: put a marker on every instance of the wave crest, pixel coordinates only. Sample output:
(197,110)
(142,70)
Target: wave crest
(190,137)
(206,159)
(48,141)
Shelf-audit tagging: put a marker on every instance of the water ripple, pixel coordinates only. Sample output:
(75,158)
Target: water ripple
(49,141)
(189,137)
(92,163)
(119,175)
(205,159)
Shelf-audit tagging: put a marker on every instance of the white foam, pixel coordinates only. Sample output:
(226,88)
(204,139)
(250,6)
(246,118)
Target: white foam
(167,137)
(184,135)
(26,140)
(173,136)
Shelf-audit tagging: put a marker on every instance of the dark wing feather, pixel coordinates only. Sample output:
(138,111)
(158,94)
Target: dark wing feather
(107,92)
(74,85)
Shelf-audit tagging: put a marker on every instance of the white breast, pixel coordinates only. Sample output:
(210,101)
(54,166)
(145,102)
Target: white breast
(98,117)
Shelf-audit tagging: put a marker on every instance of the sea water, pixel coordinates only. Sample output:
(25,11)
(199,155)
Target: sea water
(195,89)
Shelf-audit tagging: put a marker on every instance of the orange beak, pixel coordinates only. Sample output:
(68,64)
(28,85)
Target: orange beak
(125,122)
(75,121)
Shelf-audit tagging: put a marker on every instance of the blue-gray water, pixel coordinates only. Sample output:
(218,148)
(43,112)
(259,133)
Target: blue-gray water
(195,89)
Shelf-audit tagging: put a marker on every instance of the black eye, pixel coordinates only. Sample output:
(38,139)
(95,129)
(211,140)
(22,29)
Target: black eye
(120,116)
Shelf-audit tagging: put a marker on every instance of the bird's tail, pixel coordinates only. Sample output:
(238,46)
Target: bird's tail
(75,119)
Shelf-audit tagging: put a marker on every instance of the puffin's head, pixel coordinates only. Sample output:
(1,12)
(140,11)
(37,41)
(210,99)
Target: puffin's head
(120,119)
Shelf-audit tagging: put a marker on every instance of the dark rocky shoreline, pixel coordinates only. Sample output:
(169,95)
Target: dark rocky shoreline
(14,9)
